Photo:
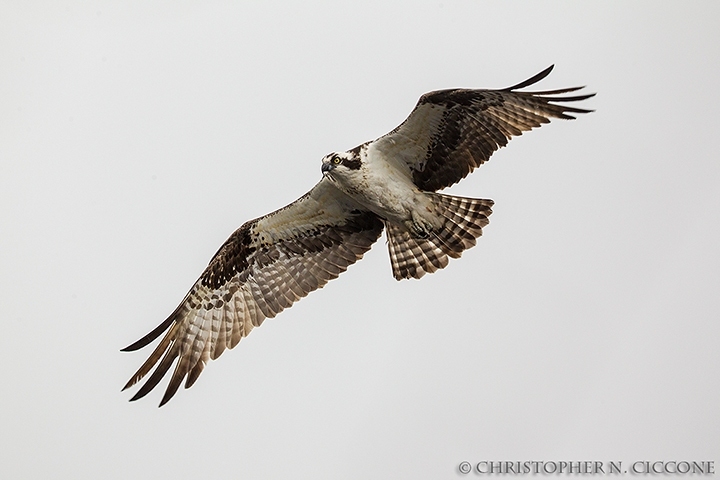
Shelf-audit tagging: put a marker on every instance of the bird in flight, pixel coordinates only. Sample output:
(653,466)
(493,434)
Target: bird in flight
(389,183)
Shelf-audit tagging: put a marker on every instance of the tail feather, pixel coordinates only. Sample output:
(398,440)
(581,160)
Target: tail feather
(464,219)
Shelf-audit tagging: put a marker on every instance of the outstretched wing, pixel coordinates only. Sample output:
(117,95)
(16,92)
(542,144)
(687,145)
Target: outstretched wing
(264,267)
(452,132)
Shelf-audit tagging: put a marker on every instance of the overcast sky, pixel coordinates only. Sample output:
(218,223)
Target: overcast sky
(135,137)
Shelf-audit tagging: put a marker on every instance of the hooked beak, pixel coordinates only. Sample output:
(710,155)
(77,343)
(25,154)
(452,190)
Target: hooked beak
(327,167)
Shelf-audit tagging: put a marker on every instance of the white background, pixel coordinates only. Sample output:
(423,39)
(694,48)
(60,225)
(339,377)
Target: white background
(136,136)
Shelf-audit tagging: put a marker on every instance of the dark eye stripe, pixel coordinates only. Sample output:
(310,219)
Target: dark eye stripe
(352,163)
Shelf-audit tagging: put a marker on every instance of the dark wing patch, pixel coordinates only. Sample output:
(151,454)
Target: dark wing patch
(452,132)
(231,258)
(264,267)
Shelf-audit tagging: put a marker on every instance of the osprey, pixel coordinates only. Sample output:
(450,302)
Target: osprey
(389,183)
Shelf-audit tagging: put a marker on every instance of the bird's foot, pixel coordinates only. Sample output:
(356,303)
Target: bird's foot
(420,228)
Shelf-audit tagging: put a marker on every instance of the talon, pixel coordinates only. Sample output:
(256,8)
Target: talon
(422,230)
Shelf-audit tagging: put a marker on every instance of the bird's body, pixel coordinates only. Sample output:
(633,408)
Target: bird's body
(389,183)
(381,184)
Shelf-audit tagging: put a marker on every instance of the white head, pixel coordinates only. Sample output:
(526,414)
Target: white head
(339,163)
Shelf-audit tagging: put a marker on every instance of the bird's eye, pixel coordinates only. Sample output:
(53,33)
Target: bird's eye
(336,160)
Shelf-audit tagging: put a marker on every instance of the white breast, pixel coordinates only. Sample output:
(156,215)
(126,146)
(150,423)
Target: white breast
(383,185)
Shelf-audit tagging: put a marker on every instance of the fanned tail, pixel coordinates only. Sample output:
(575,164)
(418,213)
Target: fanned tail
(464,219)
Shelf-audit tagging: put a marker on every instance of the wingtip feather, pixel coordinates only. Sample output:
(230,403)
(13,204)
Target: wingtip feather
(156,332)
(532,80)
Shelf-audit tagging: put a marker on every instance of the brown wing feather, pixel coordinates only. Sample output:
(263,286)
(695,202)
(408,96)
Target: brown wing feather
(264,267)
(452,132)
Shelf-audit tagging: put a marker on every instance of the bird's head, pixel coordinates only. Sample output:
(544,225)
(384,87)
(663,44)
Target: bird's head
(340,163)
